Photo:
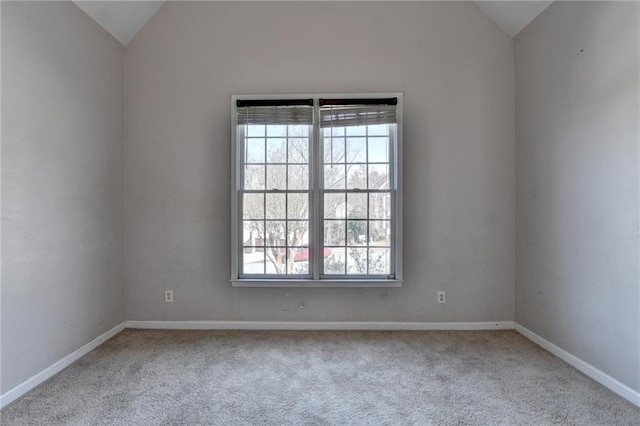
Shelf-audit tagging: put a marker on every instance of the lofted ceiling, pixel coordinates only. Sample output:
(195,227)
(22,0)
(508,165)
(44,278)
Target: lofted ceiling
(123,19)
(512,16)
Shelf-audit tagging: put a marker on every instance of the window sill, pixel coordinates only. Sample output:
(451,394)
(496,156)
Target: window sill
(328,283)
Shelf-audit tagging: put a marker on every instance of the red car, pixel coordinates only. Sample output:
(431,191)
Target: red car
(303,253)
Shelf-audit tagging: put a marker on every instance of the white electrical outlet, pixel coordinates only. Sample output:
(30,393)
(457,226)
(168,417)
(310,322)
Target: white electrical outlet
(442,297)
(168,296)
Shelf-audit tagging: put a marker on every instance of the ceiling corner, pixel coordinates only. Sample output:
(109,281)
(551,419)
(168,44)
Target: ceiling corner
(512,16)
(122,19)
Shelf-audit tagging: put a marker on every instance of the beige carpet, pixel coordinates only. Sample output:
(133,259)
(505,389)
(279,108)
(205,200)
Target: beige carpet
(320,378)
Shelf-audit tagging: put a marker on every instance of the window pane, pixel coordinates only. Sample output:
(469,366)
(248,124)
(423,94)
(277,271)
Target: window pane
(357,260)
(298,206)
(380,205)
(356,232)
(334,177)
(379,260)
(275,233)
(298,177)
(275,260)
(298,260)
(334,150)
(378,176)
(275,206)
(378,150)
(254,177)
(276,150)
(356,130)
(255,150)
(356,150)
(357,206)
(380,232)
(334,232)
(276,130)
(333,131)
(378,130)
(335,205)
(357,176)
(298,150)
(301,253)
(334,263)
(255,130)
(253,206)
(297,233)
(276,177)
(253,260)
(252,233)
(298,130)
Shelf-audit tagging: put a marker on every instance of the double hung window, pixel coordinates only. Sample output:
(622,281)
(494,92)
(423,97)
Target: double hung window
(316,197)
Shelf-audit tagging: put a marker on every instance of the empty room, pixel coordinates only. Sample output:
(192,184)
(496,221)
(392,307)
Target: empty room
(320,213)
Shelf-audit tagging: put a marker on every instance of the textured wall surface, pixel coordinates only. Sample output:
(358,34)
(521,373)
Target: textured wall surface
(455,68)
(577,127)
(62,168)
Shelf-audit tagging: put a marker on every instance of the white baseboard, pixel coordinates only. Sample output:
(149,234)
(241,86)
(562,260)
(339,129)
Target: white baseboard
(318,325)
(49,372)
(599,376)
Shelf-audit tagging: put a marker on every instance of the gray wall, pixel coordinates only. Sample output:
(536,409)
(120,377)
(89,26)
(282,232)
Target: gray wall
(455,68)
(62,147)
(577,127)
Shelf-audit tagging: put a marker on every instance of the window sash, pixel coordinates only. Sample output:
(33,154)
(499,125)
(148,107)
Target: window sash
(265,219)
(344,116)
(391,190)
(368,220)
(242,163)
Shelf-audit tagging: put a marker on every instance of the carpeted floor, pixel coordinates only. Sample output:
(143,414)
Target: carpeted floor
(150,377)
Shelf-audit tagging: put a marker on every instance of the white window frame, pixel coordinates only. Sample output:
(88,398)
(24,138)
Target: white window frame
(315,208)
